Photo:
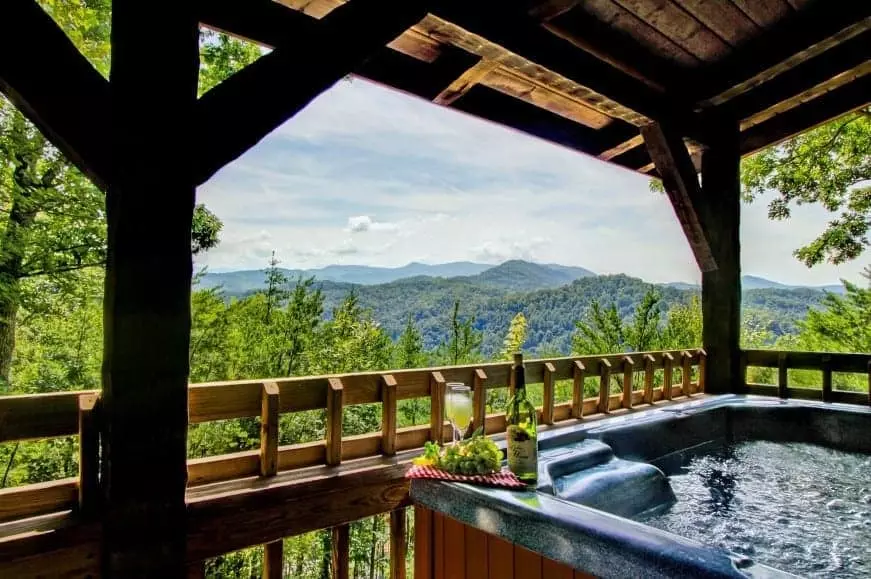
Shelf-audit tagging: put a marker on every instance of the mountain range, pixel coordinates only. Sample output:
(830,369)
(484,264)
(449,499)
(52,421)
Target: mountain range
(516,275)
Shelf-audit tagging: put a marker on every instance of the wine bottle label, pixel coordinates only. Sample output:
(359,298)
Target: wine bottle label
(522,451)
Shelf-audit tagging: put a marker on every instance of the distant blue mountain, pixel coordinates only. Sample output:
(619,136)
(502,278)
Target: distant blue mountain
(752,282)
(514,275)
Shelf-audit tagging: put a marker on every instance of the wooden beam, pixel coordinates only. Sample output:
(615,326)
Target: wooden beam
(804,76)
(793,40)
(56,87)
(522,36)
(243,109)
(388,415)
(340,551)
(721,288)
(269,430)
(466,81)
(822,109)
(335,407)
(147,325)
(679,178)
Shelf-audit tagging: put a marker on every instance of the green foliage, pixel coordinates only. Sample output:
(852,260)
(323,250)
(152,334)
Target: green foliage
(463,343)
(829,166)
(515,337)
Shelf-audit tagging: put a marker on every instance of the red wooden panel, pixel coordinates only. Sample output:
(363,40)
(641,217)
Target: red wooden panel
(438,531)
(476,554)
(500,558)
(455,549)
(582,575)
(550,569)
(527,564)
(423,542)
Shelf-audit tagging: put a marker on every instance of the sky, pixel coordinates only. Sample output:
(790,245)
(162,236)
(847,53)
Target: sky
(369,176)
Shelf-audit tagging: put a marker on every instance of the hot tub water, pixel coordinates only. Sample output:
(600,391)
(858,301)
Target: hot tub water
(801,508)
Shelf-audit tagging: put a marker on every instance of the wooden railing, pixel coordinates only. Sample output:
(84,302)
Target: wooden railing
(259,496)
(825,363)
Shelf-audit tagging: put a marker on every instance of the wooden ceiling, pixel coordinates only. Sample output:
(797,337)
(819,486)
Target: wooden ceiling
(588,74)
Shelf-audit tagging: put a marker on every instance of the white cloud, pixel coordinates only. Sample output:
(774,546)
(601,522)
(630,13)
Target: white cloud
(423,183)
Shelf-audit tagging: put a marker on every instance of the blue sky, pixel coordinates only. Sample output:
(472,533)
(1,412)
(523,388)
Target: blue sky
(370,176)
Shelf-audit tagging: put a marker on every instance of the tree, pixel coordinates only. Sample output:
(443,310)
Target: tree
(515,337)
(829,166)
(463,342)
(408,353)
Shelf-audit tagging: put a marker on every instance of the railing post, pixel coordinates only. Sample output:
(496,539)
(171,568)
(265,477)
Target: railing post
(549,394)
(273,553)
(703,363)
(827,378)
(388,414)
(648,378)
(479,400)
(335,404)
(628,370)
(578,369)
(397,543)
(782,375)
(604,386)
(686,373)
(667,369)
(437,412)
(340,547)
(89,454)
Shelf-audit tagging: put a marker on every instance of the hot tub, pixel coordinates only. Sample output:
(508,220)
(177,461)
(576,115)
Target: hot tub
(614,494)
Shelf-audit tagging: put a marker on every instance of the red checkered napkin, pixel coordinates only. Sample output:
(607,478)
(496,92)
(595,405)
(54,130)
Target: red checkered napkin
(505,478)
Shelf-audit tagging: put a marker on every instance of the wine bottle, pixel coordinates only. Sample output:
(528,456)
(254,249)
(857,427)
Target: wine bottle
(522,421)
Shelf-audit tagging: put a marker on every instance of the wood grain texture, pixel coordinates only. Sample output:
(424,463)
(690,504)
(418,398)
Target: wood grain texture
(437,410)
(628,372)
(648,378)
(723,18)
(549,394)
(667,376)
(273,560)
(89,455)
(500,558)
(388,415)
(423,543)
(335,406)
(577,410)
(269,430)
(604,386)
(686,373)
(476,553)
(398,543)
(479,399)
(465,82)
(340,554)
(454,549)
(438,548)
(39,498)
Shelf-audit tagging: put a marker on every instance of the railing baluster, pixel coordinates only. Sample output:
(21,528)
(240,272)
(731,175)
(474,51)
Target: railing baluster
(549,394)
(827,378)
(89,454)
(628,370)
(340,550)
(648,378)
(686,373)
(782,376)
(578,389)
(273,553)
(388,414)
(667,369)
(604,386)
(479,400)
(335,404)
(703,367)
(397,544)
(437,410)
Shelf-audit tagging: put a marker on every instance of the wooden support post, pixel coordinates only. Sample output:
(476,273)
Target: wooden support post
(146,324)
(827,379)
(335,405)
(398,547)
(721,288)
(437,408)
(273,560)
(604,386)
(667,374)
(549,394)
(782,385)
(703,362)
(89,454)
(273,553)
(479,401)
(628,371)
(341,545)
(466,81)
(578,369)
(269,429)
(388,414)
(686,373)
(648,378)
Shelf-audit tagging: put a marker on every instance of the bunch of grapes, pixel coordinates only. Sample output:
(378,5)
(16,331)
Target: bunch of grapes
(477,455)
